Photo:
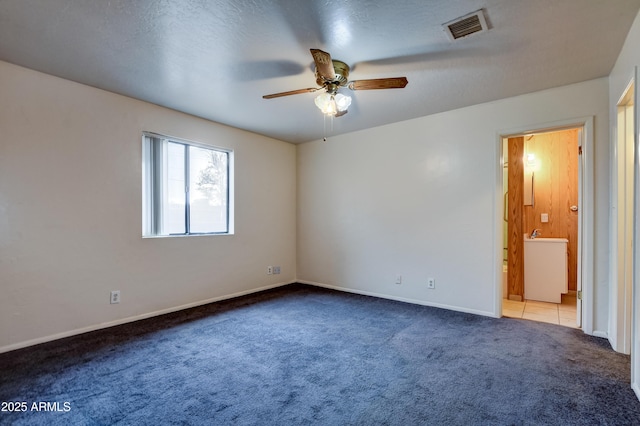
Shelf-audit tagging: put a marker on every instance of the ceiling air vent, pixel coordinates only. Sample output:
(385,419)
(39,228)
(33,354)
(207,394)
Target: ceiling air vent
(473,23)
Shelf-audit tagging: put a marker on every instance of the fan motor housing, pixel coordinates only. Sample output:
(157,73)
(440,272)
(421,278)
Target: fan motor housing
(342,75)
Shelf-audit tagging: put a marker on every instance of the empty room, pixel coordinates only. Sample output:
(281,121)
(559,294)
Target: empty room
(419,212)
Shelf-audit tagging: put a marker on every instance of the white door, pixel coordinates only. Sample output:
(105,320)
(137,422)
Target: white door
(635,293)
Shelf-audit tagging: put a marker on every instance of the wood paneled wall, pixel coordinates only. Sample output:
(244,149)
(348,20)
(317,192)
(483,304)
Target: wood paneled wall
(515,225)
(555,190)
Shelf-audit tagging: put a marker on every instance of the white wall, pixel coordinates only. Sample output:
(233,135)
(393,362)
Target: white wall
(70,212)
(419,198)
(416,198)
(620,76)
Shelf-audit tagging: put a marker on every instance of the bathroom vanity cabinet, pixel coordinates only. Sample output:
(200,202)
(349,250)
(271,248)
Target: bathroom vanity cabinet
(545,269)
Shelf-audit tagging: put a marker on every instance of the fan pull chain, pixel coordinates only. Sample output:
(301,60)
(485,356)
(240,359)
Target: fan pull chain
(324,126)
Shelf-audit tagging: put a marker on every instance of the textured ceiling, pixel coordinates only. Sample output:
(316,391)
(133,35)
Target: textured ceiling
(216,58)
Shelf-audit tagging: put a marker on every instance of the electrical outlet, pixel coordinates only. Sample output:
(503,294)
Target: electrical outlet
(115,297)
(276,270)
(398,279)
(269,270)
(431,283)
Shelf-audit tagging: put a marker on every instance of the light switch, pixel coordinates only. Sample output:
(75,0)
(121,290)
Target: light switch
(544,217)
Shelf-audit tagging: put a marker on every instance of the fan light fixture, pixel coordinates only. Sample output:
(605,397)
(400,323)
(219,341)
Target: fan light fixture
(332,75)
(331,104)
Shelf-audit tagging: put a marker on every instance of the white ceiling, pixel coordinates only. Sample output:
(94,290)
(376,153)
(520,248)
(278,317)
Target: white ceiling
(216,58)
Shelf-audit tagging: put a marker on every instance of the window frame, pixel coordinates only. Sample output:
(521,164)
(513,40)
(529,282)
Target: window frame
(153,170)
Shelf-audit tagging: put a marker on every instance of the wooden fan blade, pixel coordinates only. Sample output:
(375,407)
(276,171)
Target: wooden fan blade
(292,92)
(379,83)
(341,113)
(324,64)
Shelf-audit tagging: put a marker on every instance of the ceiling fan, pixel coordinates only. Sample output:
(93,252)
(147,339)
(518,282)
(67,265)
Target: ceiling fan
(331,75)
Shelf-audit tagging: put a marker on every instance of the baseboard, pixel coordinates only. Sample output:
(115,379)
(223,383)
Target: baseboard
(77,331)
(636,389)
(602,334)
(400,299)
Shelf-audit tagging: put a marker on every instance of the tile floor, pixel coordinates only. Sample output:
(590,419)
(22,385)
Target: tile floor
(554,313)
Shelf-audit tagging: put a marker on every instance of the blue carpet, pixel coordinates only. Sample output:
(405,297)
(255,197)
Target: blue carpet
(300,355)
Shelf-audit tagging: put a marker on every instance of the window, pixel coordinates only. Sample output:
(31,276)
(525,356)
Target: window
(185,188)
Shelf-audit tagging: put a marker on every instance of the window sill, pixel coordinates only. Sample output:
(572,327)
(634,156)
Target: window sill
(152,237)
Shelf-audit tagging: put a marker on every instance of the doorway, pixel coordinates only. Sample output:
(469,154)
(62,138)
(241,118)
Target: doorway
(542,190)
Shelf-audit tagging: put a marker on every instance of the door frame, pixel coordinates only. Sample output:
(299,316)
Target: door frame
(620,292)
(585,213)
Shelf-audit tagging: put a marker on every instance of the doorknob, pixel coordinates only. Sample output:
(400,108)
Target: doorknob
(574,208)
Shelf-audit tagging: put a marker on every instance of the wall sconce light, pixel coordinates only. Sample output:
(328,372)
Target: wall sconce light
(531,160)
